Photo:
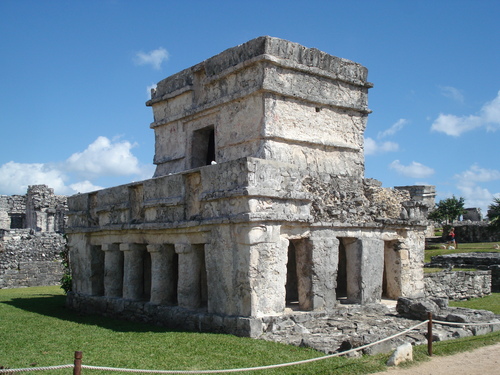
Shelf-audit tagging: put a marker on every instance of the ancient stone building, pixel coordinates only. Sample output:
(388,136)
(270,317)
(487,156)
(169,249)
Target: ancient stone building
(258,206)
(31,237)
(472,214)
(39,210)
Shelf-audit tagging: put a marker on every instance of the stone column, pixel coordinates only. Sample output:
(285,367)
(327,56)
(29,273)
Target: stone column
(325,260)
(163,277)
(188,288)
(133,270)
(113,270)
(365,268)
(372,270)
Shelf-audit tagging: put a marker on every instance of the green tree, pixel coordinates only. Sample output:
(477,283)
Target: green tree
(448,210)
(494,214)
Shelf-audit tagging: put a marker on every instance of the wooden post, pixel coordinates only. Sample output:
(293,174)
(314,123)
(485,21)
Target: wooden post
(429,334)
(77,370)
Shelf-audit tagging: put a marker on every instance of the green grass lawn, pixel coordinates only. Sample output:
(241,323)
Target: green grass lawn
(491,302)
(480,247)
(37,330)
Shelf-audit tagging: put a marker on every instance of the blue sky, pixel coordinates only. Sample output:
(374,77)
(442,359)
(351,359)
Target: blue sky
(75,76)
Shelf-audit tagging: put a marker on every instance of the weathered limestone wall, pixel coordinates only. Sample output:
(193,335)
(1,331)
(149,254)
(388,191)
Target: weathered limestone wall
(45,211)
(474,232)
(458,285)
(30,259)
(12,205)
(210,205)
(263,104)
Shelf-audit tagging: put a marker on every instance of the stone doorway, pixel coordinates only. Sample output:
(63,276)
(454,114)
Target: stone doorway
(391,282)
(298,276)
(349,271)
(203,147)
(174,278)
(146,284)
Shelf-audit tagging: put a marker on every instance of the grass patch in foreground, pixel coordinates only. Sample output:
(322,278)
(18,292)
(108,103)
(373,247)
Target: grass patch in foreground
(37,330)
(491,303)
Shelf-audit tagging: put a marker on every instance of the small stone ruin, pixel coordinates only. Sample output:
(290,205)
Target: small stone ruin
(259,206)
(31,237)
(39,210)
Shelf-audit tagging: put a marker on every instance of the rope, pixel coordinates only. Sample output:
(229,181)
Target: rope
(465,324)
(9,371)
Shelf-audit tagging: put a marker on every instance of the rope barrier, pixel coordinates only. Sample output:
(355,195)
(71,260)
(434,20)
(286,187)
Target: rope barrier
(464,324)
(9,371)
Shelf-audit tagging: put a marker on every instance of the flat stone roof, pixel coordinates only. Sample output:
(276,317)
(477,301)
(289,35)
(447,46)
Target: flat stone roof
(278,51)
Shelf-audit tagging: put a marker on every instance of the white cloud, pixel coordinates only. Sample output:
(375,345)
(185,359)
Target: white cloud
(491,113)
(477,174)
(474,194)
(84,187)
(103,157)
(454,125)
(372,147)
(452,93)
(489,117)
(154,58)
(414,170)
(16,177)
(393,129)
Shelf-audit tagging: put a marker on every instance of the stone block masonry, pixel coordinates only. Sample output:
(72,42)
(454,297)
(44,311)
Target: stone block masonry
(458,285)
(258,204)
(31,238)
(28,259)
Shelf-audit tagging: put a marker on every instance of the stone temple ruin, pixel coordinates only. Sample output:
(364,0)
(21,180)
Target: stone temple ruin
(258,206)
(31,237)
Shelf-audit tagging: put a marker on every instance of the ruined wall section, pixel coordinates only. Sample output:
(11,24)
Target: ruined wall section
(458,285)
(45,211)
(28,259)
(40,210)
(345,199)
(31,238)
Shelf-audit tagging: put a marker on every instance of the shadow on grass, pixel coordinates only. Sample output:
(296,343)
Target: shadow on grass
(54,306)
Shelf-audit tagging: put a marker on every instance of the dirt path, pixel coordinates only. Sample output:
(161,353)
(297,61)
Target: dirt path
(482,361)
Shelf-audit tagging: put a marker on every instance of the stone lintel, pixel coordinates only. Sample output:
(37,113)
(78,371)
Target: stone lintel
(110,247)
(131,247)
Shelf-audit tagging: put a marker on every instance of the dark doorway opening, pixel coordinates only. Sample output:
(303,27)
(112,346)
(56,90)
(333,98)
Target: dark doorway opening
(203,147)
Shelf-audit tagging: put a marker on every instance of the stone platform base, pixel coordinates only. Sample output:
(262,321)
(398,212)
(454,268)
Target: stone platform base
(346,327)
(172,317)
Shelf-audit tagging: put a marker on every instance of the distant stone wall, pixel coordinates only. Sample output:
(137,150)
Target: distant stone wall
(474,232)
(28,259)
(495,278)
(458,285)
